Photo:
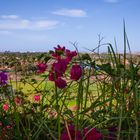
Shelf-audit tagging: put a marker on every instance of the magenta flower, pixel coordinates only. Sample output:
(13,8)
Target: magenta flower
(41,67)
(56,55)
(3,78)
(70,54)
(76,72)
(36,98)
(52,76)
(58,52)
(60,67)
(62,58)
(88,134)
(92,134)
(62,51)
(60,83)
(74,135)
(112,133)
(59,48)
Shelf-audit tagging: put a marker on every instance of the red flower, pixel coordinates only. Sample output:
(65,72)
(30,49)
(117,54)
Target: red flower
(92,134)
(41,67)
(5,107)
(18,100)
(75,72)
(60,83)
(37,98)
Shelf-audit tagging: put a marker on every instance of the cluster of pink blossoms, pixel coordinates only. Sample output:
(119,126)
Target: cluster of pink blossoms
(62,57)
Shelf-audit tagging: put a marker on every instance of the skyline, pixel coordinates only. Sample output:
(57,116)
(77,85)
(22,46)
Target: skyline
(33,25)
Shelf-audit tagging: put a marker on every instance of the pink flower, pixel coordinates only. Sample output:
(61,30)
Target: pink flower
(75,72)
(41,67)
(37,98)
(18,100)
(91,134)
(60,83)
(5,107)
(8,126)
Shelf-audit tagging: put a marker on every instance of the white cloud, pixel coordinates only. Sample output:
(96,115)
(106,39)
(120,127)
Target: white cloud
(9,23)
(70,12)
(9,17)
(111,1)
(45,24)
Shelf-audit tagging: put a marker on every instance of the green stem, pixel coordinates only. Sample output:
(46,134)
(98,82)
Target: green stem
(58,113)
(79,103)
(120,123)
(87,88)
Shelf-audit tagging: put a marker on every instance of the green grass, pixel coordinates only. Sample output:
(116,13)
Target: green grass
(28,88)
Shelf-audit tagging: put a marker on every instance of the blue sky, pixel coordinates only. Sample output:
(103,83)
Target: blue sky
(39,25)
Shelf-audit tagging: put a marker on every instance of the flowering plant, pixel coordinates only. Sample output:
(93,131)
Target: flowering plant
(71,96)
